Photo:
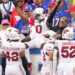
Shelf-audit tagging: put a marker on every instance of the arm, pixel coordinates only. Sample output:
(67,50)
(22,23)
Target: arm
(24,17)
(24,62)
(31,36)
(26,39)
(3,62)
(50,18)
(55,53)
(50,54)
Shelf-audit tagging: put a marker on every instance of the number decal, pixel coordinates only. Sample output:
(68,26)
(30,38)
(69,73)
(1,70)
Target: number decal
(39,29)
(66,53)
(7,56)
(44,59)
(72,54)
(55,21)
(14,56)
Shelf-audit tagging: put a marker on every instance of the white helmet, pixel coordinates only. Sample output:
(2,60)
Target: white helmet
(50,36)
(39,13)
(12,34)
(68,33)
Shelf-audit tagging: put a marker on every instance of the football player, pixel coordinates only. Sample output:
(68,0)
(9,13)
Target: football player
(41,25)
(47,51)
(66,53)
(13,54)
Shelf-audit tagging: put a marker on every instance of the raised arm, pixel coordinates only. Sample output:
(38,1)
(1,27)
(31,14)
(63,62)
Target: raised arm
(21,14)
(50,18)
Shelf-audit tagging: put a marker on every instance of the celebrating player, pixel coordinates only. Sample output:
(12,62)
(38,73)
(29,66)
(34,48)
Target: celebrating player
(66,53)
(13,54)
(47,53)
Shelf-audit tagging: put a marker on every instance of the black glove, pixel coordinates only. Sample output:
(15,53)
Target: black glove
(15,2)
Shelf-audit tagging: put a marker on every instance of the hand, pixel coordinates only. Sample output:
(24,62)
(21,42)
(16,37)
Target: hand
(30,66)
(7,14)
(15,2)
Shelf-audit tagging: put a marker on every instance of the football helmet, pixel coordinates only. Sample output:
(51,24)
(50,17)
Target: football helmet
(50,36)
(68,33)
(39,13)
(12,34)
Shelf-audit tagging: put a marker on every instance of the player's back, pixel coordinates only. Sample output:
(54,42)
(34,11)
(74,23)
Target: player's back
(45,58)
(66,50)
(12,51)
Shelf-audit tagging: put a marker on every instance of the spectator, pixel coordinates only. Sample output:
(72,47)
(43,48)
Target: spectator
(51,6)
(4,25)
(6,8)
(15,16)
(72,12)
(60,13)
(62,24)
(46,2)
(36,4)
(21,25)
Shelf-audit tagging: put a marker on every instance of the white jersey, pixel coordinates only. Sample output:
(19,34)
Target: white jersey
(49,47)
(2,39)
(39,28)
(12,50)
(66,51)
(47,63)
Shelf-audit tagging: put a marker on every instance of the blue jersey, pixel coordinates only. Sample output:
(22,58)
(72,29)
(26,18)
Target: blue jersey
(21,25)
(58,16)
(47,2)
(42,6)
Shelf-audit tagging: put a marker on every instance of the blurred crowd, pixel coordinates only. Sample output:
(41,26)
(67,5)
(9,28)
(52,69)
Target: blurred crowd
(8,11)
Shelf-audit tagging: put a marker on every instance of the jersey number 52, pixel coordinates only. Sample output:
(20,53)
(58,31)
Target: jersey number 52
(68,52)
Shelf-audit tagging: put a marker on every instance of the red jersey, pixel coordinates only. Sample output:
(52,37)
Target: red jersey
(15,17)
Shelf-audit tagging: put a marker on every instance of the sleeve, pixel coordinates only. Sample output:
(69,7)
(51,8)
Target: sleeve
(49,47)
(23,47)
(17,25)
(32,32)
(56,43)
